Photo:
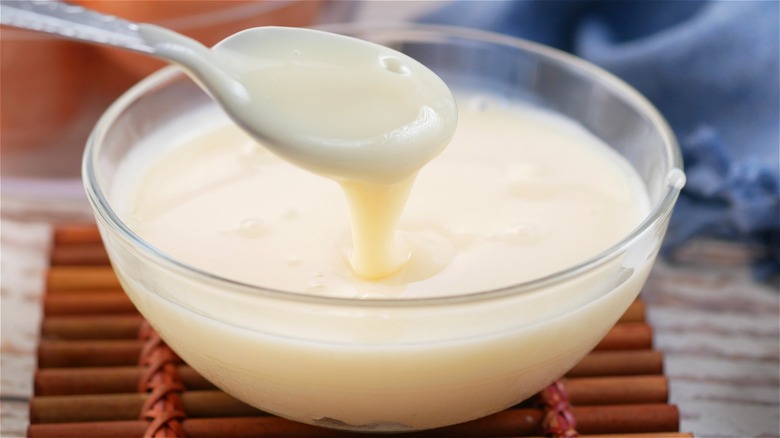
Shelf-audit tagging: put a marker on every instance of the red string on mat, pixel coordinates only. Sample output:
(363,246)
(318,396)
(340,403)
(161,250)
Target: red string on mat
(558,421)
(163,407)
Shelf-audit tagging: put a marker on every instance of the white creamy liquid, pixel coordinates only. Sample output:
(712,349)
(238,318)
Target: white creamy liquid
(519,194)
(365,115)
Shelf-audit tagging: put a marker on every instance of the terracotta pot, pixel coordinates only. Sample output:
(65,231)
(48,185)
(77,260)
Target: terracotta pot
(207,21)
(42,86)
(54,91)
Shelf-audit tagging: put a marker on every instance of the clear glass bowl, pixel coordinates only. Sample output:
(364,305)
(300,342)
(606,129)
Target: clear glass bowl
(306,358)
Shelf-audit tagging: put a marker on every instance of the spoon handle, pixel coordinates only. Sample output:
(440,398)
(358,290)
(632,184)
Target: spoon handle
(75,22)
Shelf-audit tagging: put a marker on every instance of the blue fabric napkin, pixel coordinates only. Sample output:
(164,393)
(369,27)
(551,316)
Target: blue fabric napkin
(713,70)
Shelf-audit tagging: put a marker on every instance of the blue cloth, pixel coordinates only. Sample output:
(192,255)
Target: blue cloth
(713,70)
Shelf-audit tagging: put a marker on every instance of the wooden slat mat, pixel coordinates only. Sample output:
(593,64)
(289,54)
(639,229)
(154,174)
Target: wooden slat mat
(103,372)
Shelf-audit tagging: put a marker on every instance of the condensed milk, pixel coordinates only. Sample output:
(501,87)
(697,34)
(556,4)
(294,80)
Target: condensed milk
(519,193)
(519,245)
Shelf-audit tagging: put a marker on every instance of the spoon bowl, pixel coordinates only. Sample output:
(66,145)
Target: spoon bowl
(293,89)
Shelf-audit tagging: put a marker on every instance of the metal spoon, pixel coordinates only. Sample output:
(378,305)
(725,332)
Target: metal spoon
(232,73)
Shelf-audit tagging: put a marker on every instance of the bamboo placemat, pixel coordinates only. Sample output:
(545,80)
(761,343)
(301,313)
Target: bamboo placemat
(103,372)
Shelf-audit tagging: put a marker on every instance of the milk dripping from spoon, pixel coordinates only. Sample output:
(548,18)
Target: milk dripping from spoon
(362,114)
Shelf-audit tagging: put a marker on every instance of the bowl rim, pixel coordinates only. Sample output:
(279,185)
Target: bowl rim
(675,178)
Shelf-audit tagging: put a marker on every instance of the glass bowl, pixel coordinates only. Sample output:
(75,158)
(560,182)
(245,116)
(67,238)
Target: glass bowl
(307,358)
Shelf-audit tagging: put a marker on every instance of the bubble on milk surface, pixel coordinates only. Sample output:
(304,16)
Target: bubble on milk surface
(250,147)
(522,234)
(255,155)
(372,295)
(395,65)
(315,285)
(251,228)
